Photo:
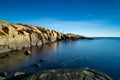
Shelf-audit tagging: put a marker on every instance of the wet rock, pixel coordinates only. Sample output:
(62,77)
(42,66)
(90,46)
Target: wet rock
(2,57)
(37,65)
(2,78)
(7,54)
(41,60)
(4,74)
(18,74)
(28,52)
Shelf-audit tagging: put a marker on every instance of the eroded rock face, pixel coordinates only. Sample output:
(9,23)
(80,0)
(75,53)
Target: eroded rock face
(19,36)
(64,74)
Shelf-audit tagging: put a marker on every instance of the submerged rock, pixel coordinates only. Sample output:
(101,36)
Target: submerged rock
(65,74)
(41,60)
(28,52)
(4,55)
(37,65)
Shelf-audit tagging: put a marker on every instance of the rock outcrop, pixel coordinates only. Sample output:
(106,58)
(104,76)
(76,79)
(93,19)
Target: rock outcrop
(19,36)
(65,74)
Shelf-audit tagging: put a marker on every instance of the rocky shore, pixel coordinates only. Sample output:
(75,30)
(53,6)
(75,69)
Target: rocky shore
(63,74)
(14,37)
(19,36)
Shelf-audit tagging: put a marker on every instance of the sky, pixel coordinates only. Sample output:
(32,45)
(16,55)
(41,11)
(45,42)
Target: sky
(92,18)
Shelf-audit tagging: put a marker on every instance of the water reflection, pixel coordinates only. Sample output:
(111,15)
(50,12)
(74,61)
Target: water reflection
(99,54)
(18,59)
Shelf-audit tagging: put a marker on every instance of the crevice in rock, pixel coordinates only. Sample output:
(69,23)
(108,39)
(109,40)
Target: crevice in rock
(5,29)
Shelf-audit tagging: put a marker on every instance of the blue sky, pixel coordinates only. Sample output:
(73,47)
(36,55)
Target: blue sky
(84,17)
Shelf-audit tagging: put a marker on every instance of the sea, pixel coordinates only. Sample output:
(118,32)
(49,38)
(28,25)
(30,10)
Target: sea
(101,54)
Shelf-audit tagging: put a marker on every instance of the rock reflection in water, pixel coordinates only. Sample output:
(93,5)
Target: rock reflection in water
(17,59)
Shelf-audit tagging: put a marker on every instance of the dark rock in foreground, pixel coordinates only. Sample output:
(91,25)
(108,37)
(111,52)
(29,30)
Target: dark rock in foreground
(3,76)
(64,74)
(18,74)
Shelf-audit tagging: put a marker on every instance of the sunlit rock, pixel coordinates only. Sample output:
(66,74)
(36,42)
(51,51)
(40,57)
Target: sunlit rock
(19,36)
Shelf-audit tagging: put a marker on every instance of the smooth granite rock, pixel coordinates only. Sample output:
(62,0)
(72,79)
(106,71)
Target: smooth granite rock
(18,74)
(19,36)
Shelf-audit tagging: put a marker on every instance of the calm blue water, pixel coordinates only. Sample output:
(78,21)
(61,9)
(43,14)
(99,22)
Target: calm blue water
(102,54)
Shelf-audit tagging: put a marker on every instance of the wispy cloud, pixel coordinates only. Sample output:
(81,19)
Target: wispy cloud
(87,28)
